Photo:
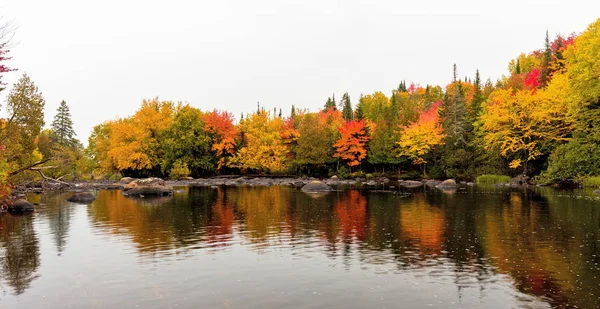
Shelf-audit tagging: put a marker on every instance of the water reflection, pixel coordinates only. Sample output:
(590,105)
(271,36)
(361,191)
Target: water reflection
(19,252)
(482,247)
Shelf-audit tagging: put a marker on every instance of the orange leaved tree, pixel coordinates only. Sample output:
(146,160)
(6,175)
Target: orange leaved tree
(352,145)
(219,125)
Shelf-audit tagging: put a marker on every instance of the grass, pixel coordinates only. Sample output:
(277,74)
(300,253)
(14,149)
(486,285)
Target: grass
(492,179)
(591,182)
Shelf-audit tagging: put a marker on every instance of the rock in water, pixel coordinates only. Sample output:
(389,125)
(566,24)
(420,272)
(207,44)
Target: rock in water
(20,206)
(147,187)
(449,183)
(432,183)
(82,198)
(316,186)
(126,180)
(410,184)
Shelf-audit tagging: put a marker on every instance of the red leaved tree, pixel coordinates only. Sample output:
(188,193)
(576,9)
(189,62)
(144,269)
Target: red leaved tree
(219,124)
(352,145)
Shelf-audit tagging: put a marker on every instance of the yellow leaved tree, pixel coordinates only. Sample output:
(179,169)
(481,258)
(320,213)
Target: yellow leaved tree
(419,138)
(263,147)
(520,123)
(135,141)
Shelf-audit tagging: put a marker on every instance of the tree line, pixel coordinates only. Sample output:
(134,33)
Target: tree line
(541,119)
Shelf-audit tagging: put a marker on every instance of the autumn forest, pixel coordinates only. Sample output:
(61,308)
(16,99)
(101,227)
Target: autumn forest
(542,120)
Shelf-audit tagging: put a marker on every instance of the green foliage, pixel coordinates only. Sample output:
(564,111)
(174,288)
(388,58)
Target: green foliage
(25,109)
(591,182)
(346,106)
(185,141)
(576,158)
(62,126)
(491,179)
(179,170)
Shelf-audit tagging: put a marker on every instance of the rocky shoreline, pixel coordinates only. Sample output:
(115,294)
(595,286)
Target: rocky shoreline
(156,187)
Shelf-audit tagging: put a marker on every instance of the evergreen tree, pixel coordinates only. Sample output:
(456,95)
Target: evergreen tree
(346,106)
(454,115)
(359,113)
(545,72)
(518,67)
(62,126)
(477,98)
(293,112)
(329,104)
(455,76)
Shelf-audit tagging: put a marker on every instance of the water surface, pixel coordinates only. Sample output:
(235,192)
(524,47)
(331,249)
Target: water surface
(277,247)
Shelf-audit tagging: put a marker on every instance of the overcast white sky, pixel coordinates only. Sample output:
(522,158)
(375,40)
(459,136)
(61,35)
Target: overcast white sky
(104,57)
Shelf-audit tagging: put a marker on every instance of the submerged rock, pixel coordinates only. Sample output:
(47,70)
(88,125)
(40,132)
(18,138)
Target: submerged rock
(82,198)
(20,206)
(109,186)
(316,186)
(448,183)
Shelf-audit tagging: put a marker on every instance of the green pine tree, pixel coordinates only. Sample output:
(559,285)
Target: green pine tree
(477,98)
(329,104)
(346,106)
(545,72)
(62,126)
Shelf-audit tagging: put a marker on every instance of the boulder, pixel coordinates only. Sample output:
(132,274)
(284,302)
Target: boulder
(596,191)
(298,184)
(371,183)
(448,183)
(470,184)
(410,183)
(147,187)
(82,198)
(334,177)
(519,181)
(432,183)
(126,180)
(316,186)
(20,206)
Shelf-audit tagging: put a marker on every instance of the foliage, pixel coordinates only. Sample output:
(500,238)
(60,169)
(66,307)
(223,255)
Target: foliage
(262,148)
(62,126)
(186,142)
(224,135)
(3,67)
(134,141)
(420,137)
(351,147)
(521,124)
(492,179)
(25,109)
(574,159)
(179,170)
(591,182)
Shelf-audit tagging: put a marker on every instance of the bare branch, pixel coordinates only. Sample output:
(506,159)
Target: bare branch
(28,167)
(7,32)
(40,170)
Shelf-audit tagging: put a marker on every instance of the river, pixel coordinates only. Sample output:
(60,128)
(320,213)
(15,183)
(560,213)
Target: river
(277,247)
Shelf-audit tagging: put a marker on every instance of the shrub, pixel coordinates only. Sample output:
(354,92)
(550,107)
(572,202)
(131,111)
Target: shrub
(179,170)
(491,179)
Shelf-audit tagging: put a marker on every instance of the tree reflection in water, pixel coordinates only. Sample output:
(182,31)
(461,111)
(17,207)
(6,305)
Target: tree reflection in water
(545,244)
(19,252)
